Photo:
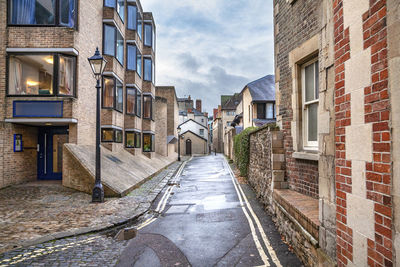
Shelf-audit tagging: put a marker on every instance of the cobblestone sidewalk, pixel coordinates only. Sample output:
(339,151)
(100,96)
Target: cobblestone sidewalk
(38,212)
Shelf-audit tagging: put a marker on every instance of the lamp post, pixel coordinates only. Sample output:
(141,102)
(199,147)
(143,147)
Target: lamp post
(179,143)
(97,63)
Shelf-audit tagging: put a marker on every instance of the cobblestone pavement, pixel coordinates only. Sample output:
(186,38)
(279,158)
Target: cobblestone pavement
(38,212)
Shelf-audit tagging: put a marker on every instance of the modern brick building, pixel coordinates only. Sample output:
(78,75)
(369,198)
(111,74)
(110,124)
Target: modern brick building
(337,65)
(47,90)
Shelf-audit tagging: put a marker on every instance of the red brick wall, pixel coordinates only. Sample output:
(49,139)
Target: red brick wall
(377,112)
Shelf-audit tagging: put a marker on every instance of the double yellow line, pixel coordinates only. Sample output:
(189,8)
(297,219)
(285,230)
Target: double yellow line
(252,215)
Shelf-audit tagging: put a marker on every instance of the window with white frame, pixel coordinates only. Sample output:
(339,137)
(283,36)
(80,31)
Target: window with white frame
(201,132)
(310,93)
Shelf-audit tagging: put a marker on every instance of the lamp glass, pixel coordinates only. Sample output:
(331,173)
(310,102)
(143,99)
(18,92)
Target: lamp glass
(179,130)
(96,65)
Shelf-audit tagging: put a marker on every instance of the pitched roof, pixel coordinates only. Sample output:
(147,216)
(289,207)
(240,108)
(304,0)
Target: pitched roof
(194,122)
(189,131)
(232,102)
(225,98)
(262,89)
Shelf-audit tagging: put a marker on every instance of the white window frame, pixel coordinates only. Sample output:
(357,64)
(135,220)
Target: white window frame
(308,145)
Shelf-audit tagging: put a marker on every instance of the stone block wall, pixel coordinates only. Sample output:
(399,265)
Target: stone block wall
(160,117)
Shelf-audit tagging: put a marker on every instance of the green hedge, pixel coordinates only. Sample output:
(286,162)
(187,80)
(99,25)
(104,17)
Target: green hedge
(241,146)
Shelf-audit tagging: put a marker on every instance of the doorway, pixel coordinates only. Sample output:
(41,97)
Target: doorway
(188,147)
(50,152)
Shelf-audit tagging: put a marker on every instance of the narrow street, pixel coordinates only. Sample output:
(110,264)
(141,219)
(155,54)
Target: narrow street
(207,219)
(202,218)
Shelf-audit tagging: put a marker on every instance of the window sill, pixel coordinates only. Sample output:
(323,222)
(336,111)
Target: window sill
(307,155)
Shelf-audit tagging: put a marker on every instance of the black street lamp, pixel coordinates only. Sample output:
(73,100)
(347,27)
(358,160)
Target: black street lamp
(179,143)
(98,63)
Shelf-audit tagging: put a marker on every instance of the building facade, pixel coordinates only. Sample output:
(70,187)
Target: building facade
(47,89)
(336,94)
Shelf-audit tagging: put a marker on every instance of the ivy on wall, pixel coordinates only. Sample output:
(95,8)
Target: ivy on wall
(241,146)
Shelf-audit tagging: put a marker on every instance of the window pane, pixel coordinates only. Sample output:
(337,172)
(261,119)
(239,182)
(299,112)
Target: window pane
(201,132)
(40,12)
(131,57)
(121,9)
(139,26)
(107,135)
(119,97)
(147,142)
(153,77)
(154,39)
(66,82)
(153,143)
(132,17)
(118,136)
(109,40)
(30,75)
(130,100)
(309,82)
(130,140)
(139,63)
(270,110)
(147,35)
(312,122)
(138,141)
(261,111)
(120,48)
(147,100)
(147,69)
(139,104)
(109,3)
(67,13)
(108,93)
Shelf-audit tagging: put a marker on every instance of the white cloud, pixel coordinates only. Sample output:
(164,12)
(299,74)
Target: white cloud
(212,47)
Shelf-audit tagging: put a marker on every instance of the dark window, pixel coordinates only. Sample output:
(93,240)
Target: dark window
(37,74)
(131,57)
(112,94)
(148,142)
(132,139)
(119,99)
(148,34)
(111,135)
(261,111)
(147,107)
(132,17)
(148,69)
(42,12)
(138,104)
(131,100)
(139,63)
(109,40)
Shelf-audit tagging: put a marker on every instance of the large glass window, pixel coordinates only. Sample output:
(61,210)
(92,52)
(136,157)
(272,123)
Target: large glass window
(121,9)
(148,142)
(147,107)
(34,74)
(120,48)
(132,17)
(66,75)
(139,63)
(138,104)
(148,69)
(310,80)
(261,111)
(42,12)
(113,43)
(109,135)
(131,57)
(119,100)
(148,35)
(131,100)
(110,3)
(132,140)
(108,92)
(270,111)
(109,40)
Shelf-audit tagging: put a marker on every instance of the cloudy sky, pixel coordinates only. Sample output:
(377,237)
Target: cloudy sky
(206,48)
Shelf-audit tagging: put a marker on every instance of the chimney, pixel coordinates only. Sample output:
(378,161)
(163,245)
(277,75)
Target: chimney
(189,97)
(215,113)
(198,105)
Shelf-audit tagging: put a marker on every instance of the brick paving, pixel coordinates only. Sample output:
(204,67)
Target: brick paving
(38,212)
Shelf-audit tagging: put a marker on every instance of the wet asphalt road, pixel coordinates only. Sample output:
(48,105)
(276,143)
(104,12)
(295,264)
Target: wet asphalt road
(207,219)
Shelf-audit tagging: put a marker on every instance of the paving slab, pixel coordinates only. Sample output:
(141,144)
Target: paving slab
(38,212)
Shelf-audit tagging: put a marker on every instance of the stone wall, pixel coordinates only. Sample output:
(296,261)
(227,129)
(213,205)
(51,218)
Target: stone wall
(160,116)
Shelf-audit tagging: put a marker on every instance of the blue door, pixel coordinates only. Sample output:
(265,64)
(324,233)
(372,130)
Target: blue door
(51,141)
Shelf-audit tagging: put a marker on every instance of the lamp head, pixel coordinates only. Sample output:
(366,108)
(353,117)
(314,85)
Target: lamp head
(97,63)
